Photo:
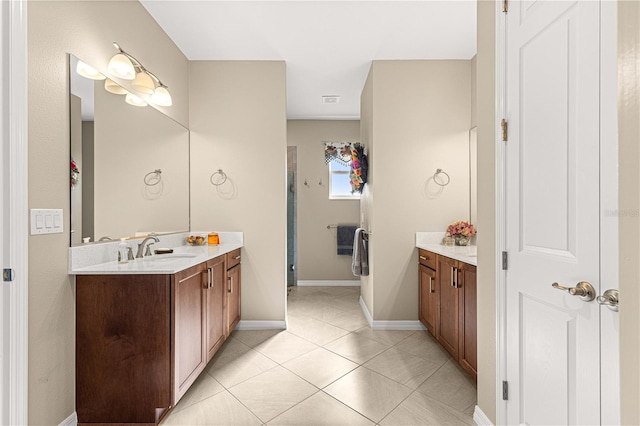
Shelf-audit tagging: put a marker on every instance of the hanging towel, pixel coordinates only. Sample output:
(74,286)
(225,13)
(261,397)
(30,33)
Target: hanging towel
(345,239)
(360,264)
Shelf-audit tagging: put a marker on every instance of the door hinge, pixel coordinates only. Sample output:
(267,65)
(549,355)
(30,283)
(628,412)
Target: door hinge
(505,390)
(505,260)
(505,129)
(505,6)
(7,274)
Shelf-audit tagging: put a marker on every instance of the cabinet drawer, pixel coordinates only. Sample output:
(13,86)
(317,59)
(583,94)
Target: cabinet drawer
(233,258)
(427,258)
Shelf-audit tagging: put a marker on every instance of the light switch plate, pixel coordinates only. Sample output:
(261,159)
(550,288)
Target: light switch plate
(46,221)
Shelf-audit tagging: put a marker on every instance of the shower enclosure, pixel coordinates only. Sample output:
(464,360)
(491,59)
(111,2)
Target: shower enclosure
(292,232)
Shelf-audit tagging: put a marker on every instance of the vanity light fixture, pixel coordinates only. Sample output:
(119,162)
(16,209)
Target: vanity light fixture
(113,87)
(127,67)
(132,99)
(88,71)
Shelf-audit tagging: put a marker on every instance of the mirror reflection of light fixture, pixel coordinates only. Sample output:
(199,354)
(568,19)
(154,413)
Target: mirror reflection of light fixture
(113,87)
(144,81)
(88,71)
(132,99)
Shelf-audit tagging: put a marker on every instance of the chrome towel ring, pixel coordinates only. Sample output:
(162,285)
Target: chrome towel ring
(218,178)
(153,178)
(438,173)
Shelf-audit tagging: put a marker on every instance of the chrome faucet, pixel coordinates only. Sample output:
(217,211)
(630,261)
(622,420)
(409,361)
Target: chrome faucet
(139,254)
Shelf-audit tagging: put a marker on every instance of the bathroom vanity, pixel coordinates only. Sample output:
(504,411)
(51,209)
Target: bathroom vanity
(447,299)
(145,330)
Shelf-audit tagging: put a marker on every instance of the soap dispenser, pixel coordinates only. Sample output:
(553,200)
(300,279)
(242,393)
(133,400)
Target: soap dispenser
(122,252)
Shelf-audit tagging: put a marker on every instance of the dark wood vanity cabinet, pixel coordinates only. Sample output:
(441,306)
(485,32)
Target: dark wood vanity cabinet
(233,290)
(142,340)
(448,306)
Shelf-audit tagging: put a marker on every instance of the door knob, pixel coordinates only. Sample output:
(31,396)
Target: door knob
(609,299)
(583,289)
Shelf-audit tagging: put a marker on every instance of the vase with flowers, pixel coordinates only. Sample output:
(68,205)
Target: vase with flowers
(462,231)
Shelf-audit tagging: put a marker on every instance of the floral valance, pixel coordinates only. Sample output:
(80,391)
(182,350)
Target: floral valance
(349,154)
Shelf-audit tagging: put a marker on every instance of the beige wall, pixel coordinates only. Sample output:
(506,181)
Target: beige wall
(486,210)
(129,143)
(317,258)
(422,114)
(238,123)
(87,30)
(629,133)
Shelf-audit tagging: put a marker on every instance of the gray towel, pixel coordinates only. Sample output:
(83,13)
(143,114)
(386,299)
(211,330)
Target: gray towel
(345,239)
(360,264)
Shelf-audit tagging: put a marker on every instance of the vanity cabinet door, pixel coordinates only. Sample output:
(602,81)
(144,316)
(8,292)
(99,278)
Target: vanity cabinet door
(449,310)
(189,333)
(233,298)
(468,324)
(215,301)
(428,296)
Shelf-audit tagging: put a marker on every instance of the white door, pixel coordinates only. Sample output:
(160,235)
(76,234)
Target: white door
(553,211)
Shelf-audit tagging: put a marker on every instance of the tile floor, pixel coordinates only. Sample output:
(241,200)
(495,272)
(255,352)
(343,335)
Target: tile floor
(328,368)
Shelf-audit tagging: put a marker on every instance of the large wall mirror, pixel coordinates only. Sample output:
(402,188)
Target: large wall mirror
(132,166)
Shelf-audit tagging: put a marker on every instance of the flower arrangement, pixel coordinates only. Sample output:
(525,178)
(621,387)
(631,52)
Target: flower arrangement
(461,230)
(75,174)
(359,168)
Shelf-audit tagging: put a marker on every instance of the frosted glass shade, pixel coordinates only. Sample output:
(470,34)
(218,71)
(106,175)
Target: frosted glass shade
(113,87)
(161,97)
(132,99)
(143,83)
(88,71)
(122,67)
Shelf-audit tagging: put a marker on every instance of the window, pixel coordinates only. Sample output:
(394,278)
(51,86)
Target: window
(340,182)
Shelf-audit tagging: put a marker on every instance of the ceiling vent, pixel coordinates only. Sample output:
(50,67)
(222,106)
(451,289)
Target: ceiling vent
(331,99)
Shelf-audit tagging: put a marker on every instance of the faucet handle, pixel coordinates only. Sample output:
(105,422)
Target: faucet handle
(148,250)
(130,253)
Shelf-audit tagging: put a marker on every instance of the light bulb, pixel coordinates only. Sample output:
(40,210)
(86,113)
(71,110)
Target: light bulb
(88,71)
(132,99)
(161,97)
(113,87)
(120,66)
(143,83)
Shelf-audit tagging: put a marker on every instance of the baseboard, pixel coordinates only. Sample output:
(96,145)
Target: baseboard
(389,325)
(480,418)
(328,283)
(72,420)
(261,325)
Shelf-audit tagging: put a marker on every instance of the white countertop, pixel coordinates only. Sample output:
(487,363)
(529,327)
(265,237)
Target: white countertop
(183,257)
(432,241)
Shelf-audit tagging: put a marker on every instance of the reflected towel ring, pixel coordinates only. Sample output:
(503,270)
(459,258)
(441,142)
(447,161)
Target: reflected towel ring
(153,178)
(222,178)
(441,172)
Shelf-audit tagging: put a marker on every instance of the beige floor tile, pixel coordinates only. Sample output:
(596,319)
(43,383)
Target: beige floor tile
(320,410)
(204,387)
(369,393)
(356,348)
(319,311)
(316,331)
(231,348)
(423,344)
(253,338)
(388,337)
(221,409)
(351,321)
(419,409)
(410,370)
(451,386)
(272,393)
(285,346)
(320,367)
(231,370)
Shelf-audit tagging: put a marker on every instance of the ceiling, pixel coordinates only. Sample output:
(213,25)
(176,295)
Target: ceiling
(328,45)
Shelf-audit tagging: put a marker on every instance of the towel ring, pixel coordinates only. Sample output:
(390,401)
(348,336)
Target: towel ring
(153,178)
(441,172)
(222,178)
